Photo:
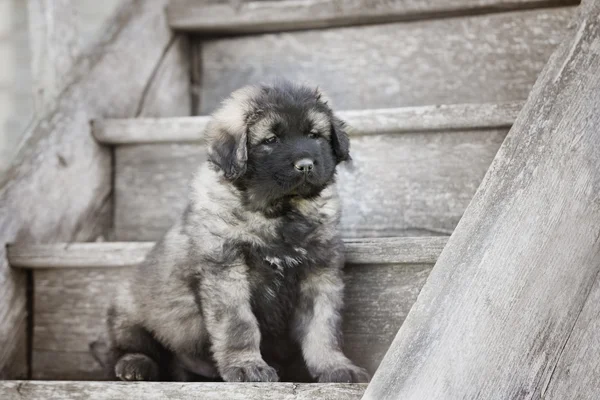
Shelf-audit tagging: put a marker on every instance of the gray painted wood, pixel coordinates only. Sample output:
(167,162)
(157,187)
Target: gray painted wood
(506,296)
(32,390)
(268,16)
(362,122)
(70,304)
(59,186)
(474,59)
(408,184)
(126,254)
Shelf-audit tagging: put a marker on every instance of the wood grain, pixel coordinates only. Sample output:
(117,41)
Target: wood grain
(362,122)
(474,59)
(59,186)
(70,305)
(507,293)
(269,16)
(168,92)
(409,184)
(74,284)
(32,390)
(55,43)
(126,254)
(577,373)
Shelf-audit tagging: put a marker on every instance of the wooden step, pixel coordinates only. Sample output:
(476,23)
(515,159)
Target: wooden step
(268,16)
(413,173)
(362,122)
(39,390)
(73,284)
(463,59)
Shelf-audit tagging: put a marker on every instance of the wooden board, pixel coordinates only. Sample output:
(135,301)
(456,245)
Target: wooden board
(268,16)
(474,59)
(168,92)
(59,187)
(577,373)
(70,304)
(55,43)
(362,122)
(126,254)
(405,184)
(32,390)
(504,303)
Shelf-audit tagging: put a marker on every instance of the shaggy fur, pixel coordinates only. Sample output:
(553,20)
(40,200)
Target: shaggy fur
(252,271)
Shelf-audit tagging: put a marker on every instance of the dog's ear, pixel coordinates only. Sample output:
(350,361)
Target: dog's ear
(228,151)
(340,142)
(227,133)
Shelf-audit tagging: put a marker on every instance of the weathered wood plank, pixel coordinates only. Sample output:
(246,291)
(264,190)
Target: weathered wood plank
(508,289)
(60,182)
(412,184)
(476,59)
(577,373)
(56,43)
(68,316)
(70,304)
(269,16)
(168,92)
(32,390)
(124,254)
(78,255)
(362,122)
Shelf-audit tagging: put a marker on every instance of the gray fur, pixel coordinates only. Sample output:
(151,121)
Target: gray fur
(252,271)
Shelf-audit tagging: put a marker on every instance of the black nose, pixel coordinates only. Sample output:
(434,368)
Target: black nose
(304,165)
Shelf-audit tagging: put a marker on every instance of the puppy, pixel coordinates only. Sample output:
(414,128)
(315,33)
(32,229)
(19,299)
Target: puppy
(253,268)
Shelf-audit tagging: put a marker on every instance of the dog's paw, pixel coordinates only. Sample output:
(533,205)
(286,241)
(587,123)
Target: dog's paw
(250,372)
(136,367)
(345,374)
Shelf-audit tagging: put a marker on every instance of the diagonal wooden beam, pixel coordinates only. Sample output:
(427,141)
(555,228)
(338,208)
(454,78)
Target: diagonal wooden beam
(59,186)
(508,290)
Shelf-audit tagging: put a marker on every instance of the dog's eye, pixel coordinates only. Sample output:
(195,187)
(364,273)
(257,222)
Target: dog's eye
(270,140)
(313,134)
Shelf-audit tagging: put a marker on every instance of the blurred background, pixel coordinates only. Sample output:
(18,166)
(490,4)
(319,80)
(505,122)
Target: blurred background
(21,52)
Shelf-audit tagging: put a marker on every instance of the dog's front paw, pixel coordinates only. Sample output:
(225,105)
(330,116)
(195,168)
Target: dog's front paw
(344,374)
(136,367)
(250,372)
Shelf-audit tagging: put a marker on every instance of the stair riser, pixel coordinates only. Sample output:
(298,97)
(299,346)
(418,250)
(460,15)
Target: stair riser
(399,185)
(485,58)
(70,306)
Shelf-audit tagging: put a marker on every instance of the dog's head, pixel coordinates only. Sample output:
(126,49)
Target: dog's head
(277,141)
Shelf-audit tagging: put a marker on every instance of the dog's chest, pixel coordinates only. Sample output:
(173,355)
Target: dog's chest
(276,270)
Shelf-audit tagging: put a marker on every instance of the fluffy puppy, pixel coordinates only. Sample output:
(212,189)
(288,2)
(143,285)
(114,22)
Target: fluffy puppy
(253,268)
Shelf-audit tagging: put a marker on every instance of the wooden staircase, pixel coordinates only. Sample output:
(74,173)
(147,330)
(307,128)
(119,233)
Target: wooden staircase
(430,89)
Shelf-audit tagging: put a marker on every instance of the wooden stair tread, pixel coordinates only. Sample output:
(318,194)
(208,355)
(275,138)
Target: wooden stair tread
(57,390)
(269,16)
(363,122)
(402,250)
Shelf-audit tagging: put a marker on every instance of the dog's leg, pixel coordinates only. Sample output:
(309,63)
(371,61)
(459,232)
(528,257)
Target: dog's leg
(317,328)
(232,327)
(134,354)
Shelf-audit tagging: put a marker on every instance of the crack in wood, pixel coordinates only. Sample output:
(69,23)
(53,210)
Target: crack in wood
(150,81)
